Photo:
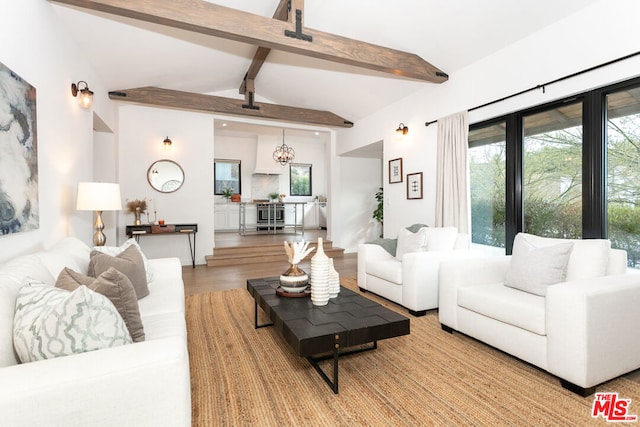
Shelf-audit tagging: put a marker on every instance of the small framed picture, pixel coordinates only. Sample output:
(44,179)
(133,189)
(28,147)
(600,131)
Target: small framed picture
(414,185)
(395,171)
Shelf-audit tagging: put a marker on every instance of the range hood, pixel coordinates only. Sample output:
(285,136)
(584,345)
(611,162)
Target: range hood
(265,165)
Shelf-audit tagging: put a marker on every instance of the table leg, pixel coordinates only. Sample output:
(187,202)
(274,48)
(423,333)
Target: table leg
(255,317)
(192,251)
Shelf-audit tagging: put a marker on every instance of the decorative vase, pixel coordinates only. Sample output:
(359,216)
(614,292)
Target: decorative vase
(294,280)
(137,213)
(320,276)
(334,280)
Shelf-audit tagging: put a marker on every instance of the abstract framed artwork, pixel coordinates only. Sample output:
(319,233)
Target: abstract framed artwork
(414,185)
(395,171)
(19,205)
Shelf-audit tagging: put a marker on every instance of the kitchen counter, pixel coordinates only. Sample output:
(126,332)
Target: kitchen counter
(270,221)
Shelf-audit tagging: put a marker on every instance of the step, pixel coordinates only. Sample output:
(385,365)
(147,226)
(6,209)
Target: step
(260,254)
(263,248)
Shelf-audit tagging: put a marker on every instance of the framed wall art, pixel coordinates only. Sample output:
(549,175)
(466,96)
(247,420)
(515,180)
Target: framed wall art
(19,159)
(395,171)
(414,185)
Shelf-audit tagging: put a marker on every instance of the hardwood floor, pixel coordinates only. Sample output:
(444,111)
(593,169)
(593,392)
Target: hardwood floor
(209,279)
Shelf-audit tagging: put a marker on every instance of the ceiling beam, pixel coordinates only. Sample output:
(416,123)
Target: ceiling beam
(211,19)
(281,14)
(216,104)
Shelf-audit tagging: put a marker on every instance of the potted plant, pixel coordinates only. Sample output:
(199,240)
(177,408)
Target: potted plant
(227,193)
(378,213)
(274,196)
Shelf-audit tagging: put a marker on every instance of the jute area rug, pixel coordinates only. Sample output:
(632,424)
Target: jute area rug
(248,377)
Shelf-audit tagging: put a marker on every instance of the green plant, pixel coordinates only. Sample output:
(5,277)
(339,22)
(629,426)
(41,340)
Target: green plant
(227,193)
(274,196)
(378,214)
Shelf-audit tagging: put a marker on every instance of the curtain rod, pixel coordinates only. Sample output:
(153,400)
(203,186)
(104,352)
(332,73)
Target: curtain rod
(542,86)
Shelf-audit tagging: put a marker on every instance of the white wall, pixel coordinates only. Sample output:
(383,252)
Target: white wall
(142,130)
(597,34)
(35,46)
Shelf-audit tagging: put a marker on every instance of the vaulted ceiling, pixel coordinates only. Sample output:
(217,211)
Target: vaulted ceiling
(130,53)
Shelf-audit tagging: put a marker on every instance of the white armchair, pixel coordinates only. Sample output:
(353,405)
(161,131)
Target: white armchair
(407,272)
(579,323)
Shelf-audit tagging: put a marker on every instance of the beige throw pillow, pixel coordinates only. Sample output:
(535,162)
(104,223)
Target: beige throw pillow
(115,286)
(129,262)
(533,269)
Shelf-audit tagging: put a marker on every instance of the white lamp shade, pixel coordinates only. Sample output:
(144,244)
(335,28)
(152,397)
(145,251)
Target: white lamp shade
(98,196)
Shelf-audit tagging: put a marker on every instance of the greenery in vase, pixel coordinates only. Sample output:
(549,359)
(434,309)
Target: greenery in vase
(227,193)
(274,196)
(137,205)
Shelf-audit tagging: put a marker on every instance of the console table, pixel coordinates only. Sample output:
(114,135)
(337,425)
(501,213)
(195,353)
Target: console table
(136,231)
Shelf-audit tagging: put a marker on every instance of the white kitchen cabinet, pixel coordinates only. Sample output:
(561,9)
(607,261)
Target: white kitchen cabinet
(311,215)
(225,216)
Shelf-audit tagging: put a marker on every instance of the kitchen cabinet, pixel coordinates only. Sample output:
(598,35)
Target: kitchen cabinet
(225,216)
(311,215)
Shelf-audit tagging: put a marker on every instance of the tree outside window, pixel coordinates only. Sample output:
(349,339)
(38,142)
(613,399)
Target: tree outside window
(300,179)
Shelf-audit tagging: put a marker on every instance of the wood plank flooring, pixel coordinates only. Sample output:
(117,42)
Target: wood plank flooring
(210,279)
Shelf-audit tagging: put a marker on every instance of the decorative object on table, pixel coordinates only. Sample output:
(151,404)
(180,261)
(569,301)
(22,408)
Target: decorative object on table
(235,197)
(281,197)
(137,207)
(19,204)
(414,185)
(320,276)
(98,197)
(273,196)
(395,170)
(227,193)
(295,280)
(334,280)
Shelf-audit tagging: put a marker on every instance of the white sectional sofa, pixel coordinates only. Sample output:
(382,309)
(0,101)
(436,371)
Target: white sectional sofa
(405,270)
(581,327)
(140,384)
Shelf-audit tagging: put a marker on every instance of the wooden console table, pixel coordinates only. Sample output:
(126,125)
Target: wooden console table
(136,231)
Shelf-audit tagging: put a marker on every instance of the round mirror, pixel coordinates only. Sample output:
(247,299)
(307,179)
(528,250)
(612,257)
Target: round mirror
(166,176)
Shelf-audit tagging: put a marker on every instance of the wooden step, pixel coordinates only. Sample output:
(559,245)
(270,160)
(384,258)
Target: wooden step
(254,254)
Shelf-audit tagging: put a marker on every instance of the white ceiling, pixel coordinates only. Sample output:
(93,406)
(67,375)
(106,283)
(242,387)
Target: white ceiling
(449,34)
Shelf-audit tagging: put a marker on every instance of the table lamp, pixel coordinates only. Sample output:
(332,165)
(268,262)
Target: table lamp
(98,197)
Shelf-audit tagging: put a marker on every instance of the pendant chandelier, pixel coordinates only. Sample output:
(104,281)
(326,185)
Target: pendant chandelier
(283,153)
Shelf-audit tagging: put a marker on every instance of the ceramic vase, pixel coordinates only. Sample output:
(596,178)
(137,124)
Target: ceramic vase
(334,280)
(294,280)
(320,276)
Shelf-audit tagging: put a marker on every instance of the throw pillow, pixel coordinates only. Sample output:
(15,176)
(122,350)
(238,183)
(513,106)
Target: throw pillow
(441,238)
(533,269)
(129,262)
(117,250)
(411,242)
(113,285)
(50,322)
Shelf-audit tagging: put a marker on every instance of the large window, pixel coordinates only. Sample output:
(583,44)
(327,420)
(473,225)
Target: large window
(226,175)
(300,180)
(487,156)
(623,172)
(552,173)
(572,170)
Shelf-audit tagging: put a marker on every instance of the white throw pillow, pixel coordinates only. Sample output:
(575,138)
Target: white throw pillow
(411,242)
(51,322)
(533,269)
(441,238)
(589,257)
(117,250)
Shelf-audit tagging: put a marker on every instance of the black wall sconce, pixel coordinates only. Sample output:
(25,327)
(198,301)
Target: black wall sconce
(167,144)
(402,129)
(86,95)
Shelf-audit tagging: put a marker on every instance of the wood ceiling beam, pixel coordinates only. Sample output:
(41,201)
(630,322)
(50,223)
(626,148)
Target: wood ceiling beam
(211,19)
(216,104)
(281,14)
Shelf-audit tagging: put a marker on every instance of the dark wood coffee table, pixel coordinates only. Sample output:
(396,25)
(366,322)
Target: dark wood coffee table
(349,323)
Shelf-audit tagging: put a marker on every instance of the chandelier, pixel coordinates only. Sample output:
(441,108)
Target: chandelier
(283,153)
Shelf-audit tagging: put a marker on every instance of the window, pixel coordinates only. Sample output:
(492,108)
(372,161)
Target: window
(552,172)
(299,179)
(623,172)
(487,157)
(226,176)
(572,170)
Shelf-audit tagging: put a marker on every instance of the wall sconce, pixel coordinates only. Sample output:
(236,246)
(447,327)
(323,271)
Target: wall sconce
(402,129)
(167,144)
(86,95)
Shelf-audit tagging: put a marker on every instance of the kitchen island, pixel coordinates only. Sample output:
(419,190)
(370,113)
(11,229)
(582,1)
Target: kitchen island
(272,217)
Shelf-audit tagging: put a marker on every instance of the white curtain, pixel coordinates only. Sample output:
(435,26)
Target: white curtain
(452,183)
